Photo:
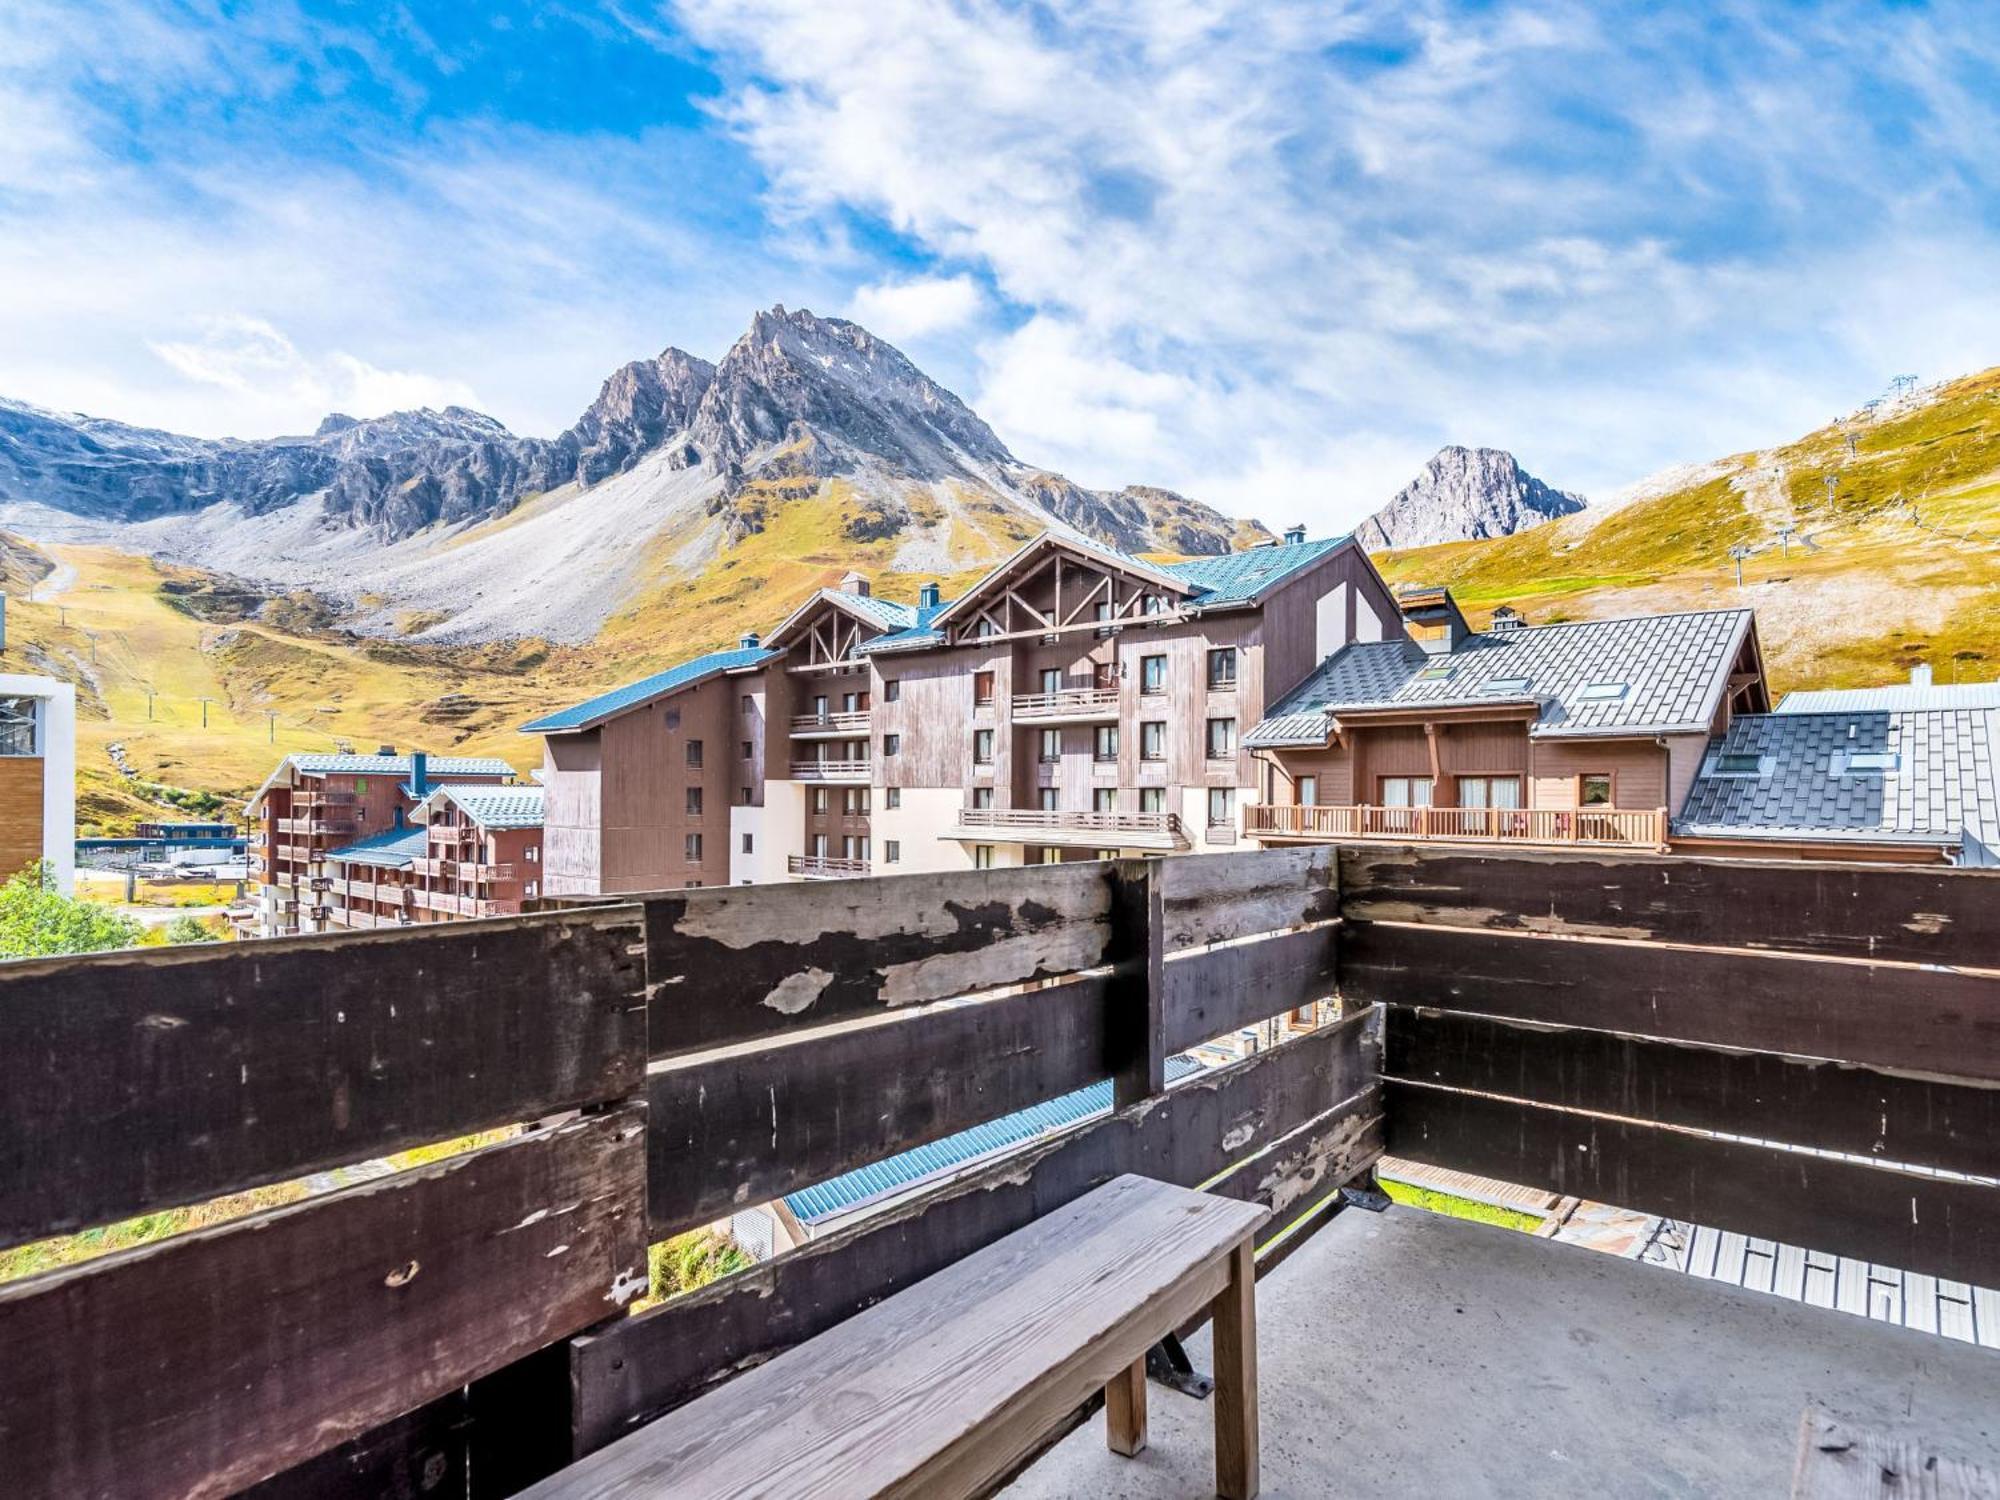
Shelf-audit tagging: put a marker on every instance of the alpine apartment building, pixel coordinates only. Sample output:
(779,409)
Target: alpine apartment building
(1074,703)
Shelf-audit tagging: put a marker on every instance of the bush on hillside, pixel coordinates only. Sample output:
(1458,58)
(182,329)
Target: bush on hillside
(37,920)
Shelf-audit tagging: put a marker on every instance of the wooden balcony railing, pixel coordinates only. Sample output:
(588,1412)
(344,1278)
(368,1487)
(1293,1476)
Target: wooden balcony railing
(1032,825)
(824,866)
(830,770)
(1638,829)
(1096,703)
(852,722)
(1772,1049)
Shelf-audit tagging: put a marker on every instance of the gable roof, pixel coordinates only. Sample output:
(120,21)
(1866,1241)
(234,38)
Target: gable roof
(1901,695)
(607,705)
(495,806)
(392,850)
(1944,785)
(312,763)
(919,632)
(864,1185)
(1674,669)
(883,614)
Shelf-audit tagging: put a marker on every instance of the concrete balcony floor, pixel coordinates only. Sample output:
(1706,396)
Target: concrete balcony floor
(1404,1354)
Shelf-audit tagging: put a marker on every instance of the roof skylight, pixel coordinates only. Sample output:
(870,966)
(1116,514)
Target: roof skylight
(1435,674)
(1735,763)
(1506,685)
(1871,760)
(1602,692)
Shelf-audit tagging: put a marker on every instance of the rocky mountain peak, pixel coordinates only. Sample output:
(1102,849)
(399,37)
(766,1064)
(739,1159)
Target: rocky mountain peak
(1465,494)
(639,407)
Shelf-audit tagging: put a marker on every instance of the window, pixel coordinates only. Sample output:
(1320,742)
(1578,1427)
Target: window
(1104,799)
(1152,799)
(749,706)
(1505,686)
(1600,692)
(1221,738)
(532,854)
(671,718)
(854,802)
(1221,807)
(749,750)
(892,797)
(1153,740)
(1103,614)
(1105,747)
(982,796)
(1222,669)
(1406,791)
(1051,679)
(1871,760)
(820,797)
(693,848)
(982,856)
(982,747)
(1594,789)
(1734,763)
(17,725)
(1048,856)
(1051,749)
(892,744)
(746,796)
(694,802)
(1308,790)
(892,851)
(1047,797)
(850,703)
(693,885)
(892,690)
(1156,604)
(530,889)
(1489,791)
(694,755)
(1152,674)
(749,843)
(984,630)
(982,689)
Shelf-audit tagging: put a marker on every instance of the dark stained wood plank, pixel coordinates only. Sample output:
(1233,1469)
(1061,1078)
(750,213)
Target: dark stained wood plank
(746,1127)
(1217,991)
(1939,1226)
(1832,1106)
(421,1455)
(937,1391)
(1213,898)
(1310,1162)
(1136,1023)
(1879,1015)
(207,1362)
(1880,912)
(145,1079)
(644,1365)
(740,962)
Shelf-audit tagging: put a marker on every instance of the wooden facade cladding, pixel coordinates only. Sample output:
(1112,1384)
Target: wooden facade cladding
(20,812)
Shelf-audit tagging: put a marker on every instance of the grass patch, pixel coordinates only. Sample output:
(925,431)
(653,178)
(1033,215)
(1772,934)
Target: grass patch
(1454,1207)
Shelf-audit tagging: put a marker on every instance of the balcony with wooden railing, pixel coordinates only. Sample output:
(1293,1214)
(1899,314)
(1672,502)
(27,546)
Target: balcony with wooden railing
(1802,1058)
(1555,827)
(1096,830)
(1066,706)
(850,724)
(824,867)
(848,771)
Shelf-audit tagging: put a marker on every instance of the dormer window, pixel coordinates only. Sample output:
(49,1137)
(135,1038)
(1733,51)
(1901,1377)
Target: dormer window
(1602,692)
(1506,686)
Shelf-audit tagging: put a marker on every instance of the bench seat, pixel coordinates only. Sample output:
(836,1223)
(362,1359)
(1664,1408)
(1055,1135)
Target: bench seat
(945,1387)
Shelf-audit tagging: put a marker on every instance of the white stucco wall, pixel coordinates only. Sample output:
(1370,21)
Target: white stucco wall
(917,826)
(777,831)
(55,736)
(1330,621)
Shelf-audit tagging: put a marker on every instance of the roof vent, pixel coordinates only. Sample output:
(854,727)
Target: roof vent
(927,596)
(749,640)
(854,583)
(1295,535)
(385,749)
(1920,675)
(1506,618)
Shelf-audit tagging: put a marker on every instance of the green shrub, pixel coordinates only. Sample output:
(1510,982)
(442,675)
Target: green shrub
(691,1260)
(37,920)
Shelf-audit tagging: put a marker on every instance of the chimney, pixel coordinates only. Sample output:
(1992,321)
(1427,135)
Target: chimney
(854,583)
(1506,618)
(749,641)
(927,596)
(1295,535)
(420,773)
(1920,675)
(385,749)
(1431,618)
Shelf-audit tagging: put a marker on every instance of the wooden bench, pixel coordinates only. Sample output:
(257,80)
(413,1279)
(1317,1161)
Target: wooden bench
(942,1389)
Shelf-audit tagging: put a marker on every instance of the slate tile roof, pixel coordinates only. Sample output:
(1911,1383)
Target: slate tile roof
(393,850)
(604,705)
(399,765)
(497,806)
(1901,695)
(865,1184)
(1946,781)
(1674,669)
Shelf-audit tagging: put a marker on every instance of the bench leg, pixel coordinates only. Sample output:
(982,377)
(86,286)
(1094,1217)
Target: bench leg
(1125,1409)
(1235,1339)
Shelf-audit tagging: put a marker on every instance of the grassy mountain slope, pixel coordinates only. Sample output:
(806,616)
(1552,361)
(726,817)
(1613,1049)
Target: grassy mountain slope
(1899,564)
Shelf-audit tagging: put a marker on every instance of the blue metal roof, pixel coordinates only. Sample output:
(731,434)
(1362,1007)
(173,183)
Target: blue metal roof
(394,849)
(604,705)
(852,1189)
(917,633)
(1237,577)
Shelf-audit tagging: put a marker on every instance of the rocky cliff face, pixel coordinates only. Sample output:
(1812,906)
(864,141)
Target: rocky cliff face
(798,396)
(1465,494)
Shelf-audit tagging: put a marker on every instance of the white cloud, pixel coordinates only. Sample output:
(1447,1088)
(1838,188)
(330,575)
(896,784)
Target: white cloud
(919,308)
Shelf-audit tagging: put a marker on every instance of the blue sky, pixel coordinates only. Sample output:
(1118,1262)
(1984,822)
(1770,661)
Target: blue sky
(1272,254)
